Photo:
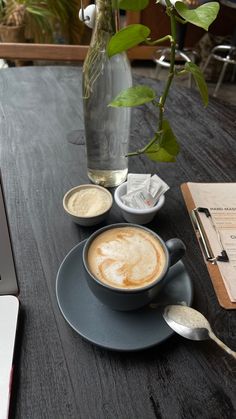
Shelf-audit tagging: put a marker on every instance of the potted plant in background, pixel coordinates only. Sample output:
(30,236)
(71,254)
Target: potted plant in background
(11,29)
(163,146)
(33,19)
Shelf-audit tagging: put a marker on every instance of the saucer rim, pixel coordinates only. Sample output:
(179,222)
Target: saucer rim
(93,341)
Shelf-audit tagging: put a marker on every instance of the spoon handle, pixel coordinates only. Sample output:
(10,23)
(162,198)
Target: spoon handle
(222,344)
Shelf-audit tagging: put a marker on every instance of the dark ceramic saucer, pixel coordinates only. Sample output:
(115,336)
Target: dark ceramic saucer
(121,331)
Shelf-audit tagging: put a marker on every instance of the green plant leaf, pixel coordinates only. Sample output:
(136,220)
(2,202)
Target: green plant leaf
(161,155)
(132,4)
(126,38)
(199,80)
(202,16)
(44,13)
(134,96)
(166,147)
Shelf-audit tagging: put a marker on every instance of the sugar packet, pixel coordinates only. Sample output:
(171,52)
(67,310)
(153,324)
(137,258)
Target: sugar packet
(147,193)
(157,187)
(137,180)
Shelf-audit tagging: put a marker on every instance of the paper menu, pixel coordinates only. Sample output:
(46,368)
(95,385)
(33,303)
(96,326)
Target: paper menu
(220,199)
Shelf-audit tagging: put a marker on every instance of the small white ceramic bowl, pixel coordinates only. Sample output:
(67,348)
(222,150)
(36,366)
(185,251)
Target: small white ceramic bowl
(87,220)
(133,215)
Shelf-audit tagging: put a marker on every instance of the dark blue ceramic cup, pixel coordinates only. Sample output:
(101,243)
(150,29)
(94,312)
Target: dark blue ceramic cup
(131,299)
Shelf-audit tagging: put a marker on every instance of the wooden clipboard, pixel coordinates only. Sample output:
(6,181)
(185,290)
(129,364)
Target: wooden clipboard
(213,270)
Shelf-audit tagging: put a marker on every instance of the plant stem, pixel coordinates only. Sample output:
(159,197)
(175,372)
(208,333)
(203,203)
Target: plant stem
(161,104)
(170,11)
(142,150)
(158,41)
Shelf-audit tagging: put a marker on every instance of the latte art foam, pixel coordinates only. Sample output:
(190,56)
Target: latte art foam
(126,257)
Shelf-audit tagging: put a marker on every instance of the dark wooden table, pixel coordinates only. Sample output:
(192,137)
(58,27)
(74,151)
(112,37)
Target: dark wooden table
(42,154)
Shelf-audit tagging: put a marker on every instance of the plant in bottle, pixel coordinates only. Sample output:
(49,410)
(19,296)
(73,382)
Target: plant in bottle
(163,146)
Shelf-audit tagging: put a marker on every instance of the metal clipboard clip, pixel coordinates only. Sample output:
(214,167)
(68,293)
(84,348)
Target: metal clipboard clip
(201,234)
(223,257)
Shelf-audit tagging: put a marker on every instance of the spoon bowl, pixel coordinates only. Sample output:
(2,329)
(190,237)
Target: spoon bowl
(191,324)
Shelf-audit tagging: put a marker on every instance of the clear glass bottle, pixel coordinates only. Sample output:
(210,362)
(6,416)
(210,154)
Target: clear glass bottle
(107,129)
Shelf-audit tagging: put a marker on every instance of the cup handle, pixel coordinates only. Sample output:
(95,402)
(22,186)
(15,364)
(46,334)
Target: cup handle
(176,249)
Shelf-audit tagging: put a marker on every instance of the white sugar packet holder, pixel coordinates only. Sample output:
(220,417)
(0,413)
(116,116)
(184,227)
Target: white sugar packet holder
(143,191)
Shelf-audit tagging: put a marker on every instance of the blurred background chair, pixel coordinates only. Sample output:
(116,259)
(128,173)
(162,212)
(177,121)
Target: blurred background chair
(224,53)
(227,55)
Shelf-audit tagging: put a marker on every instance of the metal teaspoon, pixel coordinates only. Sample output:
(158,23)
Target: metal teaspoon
(191,324)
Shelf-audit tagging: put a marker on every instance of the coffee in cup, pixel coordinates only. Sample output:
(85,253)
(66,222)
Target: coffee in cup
(126,265)
(126,258)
